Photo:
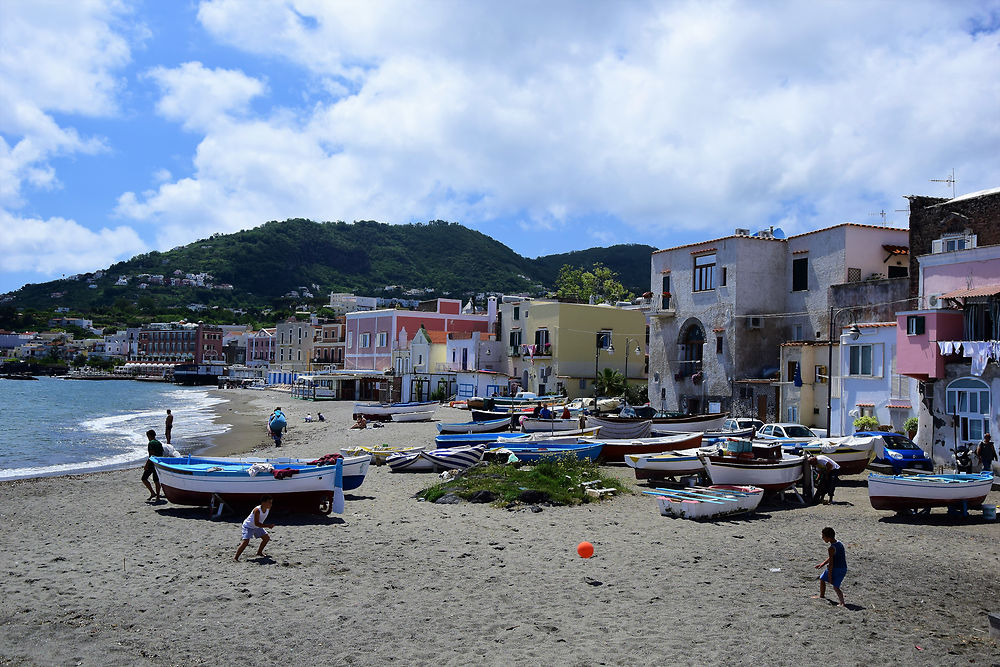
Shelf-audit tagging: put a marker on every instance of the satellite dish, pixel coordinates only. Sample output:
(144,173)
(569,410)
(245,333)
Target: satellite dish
(778,233)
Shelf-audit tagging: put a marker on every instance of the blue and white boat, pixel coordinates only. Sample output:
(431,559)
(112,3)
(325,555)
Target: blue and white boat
(449,458)
(538,451)
(909,492)
(489,426)
(387,410)
(195,480)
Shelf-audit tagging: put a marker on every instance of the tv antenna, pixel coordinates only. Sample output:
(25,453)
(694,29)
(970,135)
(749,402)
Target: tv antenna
(880,214)
(950,181)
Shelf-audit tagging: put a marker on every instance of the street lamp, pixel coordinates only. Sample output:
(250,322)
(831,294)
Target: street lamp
(638,351)
(602,336)
(855,333)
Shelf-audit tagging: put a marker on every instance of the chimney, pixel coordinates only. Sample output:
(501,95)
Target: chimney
(491,313)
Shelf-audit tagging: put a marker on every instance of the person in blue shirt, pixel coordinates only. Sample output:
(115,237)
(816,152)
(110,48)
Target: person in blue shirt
(836,566)
(545,413)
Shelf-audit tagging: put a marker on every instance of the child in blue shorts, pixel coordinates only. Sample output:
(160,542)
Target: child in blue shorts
(254,525)
(836,566)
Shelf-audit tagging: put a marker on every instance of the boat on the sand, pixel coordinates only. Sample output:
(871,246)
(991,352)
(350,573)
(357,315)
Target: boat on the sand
(910,492)
(662,465)
(449,458)
(488,426)
(743,462)
(615,449)
(537,451)
(709,502)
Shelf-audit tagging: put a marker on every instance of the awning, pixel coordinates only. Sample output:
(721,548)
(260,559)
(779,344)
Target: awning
(985,290)
(864,405)
(896,249)
(898,406)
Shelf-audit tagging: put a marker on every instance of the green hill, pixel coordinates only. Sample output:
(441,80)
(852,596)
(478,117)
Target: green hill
(265,263)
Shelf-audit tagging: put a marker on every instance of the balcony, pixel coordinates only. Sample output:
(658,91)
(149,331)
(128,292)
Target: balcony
(658,307)
(545,350)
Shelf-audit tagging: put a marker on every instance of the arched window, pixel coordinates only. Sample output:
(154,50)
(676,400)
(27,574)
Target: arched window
(692,344)
(969,400)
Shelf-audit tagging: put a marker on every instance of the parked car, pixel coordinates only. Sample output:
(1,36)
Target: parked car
(898,451)
(741,423)
(789,434)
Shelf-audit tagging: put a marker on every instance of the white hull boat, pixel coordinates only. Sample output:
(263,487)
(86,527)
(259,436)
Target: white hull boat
(383,410)
(537,425)
(456,458)
(422,416)
(666,464)
(707,502)
(621,430)
(907,492)
(851,453)
(768,474)
(489,426)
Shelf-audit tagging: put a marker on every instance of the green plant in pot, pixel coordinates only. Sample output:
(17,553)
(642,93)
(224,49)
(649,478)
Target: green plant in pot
(910,426)
(866,423)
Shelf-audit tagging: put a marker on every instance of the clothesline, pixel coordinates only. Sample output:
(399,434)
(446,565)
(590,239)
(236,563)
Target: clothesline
(980,352)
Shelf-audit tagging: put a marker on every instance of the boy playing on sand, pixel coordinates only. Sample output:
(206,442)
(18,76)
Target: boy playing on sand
(836,566)
(253,526)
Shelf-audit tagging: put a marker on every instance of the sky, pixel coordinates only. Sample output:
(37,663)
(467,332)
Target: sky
(128,126)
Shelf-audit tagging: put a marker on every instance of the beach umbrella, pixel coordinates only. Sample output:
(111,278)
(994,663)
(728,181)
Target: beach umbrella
(338,488)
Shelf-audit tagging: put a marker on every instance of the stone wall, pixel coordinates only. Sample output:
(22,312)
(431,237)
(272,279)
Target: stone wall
(930,217)
(880,300)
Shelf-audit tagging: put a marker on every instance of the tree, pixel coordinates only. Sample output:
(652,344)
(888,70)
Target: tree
(600,282)
(610,382)
(637,394)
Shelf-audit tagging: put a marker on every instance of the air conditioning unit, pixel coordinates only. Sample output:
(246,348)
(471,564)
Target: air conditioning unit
(935,302)
(740,231)
(755,322)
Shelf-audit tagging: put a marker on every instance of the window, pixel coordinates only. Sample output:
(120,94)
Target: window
(541,340)
(718,344)
(666,293)
(914,325)
(517,312)
(860,360)
(797,332)
(692,348)
(583,384)
(853,274)
(793,413)
(800,274)
(704,273)
(383,339)
(898,272)
(366,340)
(969,400)
(604,339)
(820,374)
(350,339)
(722,280)
(953,242)
(515,338)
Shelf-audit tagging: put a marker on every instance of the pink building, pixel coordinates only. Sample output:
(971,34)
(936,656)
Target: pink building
(952,345)
(260,348)
(373,335)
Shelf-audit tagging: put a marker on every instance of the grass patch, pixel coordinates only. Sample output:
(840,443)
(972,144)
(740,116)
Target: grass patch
(559,479)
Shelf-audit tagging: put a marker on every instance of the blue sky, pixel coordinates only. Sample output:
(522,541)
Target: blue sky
(131,126)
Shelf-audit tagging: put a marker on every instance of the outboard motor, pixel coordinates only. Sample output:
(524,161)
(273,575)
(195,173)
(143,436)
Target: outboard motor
(963,459)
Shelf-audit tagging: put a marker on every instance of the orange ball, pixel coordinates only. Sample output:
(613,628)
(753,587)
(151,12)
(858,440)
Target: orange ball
(585,549)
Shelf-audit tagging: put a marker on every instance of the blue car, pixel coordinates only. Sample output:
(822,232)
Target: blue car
(899,451)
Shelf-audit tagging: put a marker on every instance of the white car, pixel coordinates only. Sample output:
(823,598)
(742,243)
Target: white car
(786,433)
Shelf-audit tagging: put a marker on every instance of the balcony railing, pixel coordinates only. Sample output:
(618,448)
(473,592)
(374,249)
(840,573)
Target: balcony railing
(658,306)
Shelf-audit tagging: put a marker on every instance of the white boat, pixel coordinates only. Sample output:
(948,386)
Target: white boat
(666,464)
(563,437)
(851,453)
(707,502)
(615,449)
(413,416)
(710,422)
(379,453)
(907,492)
(489,426)
(771,474)
(537,424)
(377,410)
(195,480)
(455,458)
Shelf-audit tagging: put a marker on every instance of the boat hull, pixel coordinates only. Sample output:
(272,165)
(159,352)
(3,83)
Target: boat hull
(536,425)
(906,492)
(422,416)
(615,450)
(490,426)
(701,503)
(455,458)
(769,475)
(532,453)
(665,464)
(384,410)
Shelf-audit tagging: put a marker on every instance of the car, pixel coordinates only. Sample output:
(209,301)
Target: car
(741,423)
(898,451)
(786,433)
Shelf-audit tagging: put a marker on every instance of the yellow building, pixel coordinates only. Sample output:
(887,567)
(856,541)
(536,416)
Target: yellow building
(555,346)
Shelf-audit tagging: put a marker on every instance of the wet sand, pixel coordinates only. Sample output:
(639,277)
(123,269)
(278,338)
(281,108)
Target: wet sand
(93,575)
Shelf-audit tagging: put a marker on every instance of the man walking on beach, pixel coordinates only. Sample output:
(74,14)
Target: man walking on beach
(987,453)
(155,448)
(170,425)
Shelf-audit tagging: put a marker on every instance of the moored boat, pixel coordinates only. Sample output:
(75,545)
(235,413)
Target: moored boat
(707,502)
(489,426)
(618,429)
(450,458)
(713,421)
(385,410)
(380,453)
(421,416)
(852,453)
(662,465)
(615,449)
(908,492)
(764,466)
(537,424)
(194,480)
(538,451)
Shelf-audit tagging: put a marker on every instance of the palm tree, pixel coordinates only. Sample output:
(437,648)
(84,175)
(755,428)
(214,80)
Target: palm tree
(610,382)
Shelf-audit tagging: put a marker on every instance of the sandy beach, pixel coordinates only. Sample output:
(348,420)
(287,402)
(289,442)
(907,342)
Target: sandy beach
(93,575)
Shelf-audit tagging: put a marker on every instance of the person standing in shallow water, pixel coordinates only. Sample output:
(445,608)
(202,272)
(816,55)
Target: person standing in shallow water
(169,426)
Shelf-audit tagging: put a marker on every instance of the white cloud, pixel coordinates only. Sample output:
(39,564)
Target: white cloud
(56,58)
(687,115)
(56,245)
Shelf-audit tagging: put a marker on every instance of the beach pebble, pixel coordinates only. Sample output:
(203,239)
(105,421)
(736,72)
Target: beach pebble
(448,499)
(482,496)
(532,496)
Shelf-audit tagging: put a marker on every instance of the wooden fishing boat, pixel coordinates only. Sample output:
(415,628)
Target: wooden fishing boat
(708,422)
(469,439)
(537,451)
(909,492)
(662,465)
(488,415)
(709,502)
(384,411)
(195,480)
(380,453)
(615,449)
(712,436)
(852,453)
(536,424)
(765,466)
(453,458)
(422,416)
(563,437)
(489,426)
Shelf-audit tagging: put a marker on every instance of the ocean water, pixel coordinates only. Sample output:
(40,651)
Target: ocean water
(53,426)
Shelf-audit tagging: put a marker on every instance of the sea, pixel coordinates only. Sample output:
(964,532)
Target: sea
(54,426)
